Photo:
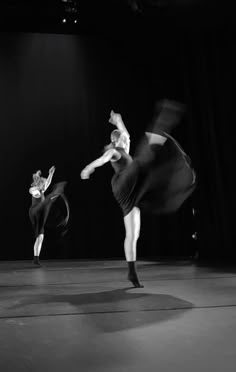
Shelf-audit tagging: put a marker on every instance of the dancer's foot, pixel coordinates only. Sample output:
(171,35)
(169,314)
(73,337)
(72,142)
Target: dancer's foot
(155,139)
(167,116)
(59,188)
(36,261)
(132,275)
(133,278)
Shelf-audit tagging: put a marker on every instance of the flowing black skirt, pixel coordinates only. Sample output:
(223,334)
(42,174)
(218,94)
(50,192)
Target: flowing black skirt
(39,212)
(158,181)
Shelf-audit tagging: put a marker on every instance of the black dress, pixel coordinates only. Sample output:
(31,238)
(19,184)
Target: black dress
(40,208)
(157,180)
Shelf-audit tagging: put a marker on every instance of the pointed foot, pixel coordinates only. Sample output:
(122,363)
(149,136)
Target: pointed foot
(134,280)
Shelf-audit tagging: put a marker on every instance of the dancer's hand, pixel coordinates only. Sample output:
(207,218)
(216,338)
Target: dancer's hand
(52,169)
(115,118)
(85,174)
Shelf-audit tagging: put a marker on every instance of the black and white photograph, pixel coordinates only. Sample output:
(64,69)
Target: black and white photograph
(117,220)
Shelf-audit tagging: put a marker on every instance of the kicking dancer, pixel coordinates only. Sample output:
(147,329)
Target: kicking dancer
(157,180)
(41,206)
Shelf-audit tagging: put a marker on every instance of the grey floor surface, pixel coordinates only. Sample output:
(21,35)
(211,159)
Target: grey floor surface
(83,316)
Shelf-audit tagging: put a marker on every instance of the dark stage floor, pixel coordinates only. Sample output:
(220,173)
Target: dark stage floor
(83,316)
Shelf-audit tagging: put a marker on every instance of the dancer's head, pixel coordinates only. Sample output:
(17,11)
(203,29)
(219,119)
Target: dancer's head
(120,139)
(37,179)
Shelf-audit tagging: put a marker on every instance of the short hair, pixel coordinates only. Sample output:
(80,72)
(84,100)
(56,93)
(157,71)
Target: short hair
(36,178)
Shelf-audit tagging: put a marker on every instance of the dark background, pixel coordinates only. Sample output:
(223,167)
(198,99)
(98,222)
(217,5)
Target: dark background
(58,83)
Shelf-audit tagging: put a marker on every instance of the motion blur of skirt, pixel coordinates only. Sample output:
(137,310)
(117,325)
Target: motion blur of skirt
(158,181)
(39,211)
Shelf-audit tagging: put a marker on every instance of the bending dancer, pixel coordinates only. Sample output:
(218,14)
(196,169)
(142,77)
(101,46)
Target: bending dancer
(41,205)
(157,180)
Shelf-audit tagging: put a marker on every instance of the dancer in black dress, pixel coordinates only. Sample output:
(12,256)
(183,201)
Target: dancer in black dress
(157,180)
(41,206)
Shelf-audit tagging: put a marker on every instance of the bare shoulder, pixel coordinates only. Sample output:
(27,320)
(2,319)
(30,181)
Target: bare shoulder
(113,154)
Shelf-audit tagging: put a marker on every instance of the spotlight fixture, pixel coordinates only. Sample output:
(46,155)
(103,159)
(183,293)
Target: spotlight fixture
(70,6)
(70,11)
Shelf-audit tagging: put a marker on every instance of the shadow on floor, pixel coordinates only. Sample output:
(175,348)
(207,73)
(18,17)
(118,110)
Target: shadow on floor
(140,308)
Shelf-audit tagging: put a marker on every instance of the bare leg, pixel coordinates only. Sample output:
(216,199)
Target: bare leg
(37,248)
(132,228)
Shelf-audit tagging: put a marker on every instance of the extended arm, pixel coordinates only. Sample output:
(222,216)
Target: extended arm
(116,120)
(49,179)
(105,158)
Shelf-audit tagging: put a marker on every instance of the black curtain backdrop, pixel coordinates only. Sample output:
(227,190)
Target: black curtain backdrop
(209,71)
(56,92)
(196,65)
